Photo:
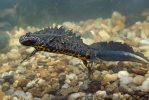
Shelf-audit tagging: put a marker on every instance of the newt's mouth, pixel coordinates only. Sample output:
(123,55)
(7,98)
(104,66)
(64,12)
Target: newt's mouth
(27,41)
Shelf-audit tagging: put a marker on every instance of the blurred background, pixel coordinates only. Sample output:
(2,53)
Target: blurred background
(41,13)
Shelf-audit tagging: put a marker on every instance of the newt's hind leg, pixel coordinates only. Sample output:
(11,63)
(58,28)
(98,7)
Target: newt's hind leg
(93,57)
(90,69)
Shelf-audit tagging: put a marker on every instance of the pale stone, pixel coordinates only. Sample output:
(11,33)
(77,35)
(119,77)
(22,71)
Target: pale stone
(144,47)
(20,94)
(31,49)
(74,96)
(131,34)
(138,79)
(73,77)
(138,23)
(104,35)
(96,75)
(126,80)
(88,41)
(110,77)
(4,68)
(117,16)
(145,85)
(101,93)
(70,25)
(20,32)
(143,35)
(136,40)
(13,55)
(144,42)
(122,74)
(65,86)
(97,23)
(74,61)
(115,96)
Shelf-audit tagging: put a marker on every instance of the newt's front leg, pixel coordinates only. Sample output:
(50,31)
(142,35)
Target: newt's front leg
(31,54)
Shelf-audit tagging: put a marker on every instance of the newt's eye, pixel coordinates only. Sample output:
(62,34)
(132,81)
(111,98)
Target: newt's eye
(28,34)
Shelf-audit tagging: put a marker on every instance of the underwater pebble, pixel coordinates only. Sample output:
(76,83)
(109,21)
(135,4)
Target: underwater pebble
(76,71)
(10,91)
(97,23)
(145,85)
(4,68)
(131,34)
(122,74)
(74,96)
(125,31)
(62,78)
(139,71)
(47,54)
(111,88)
(74,61)
(35,98)
(96,75)
(143,35)
(144,47)
(117,16)
(126,80)
(104,35)
(6,86)
(19,32)
(22,82)
(29,50)
(29,85)
(35,92)
(13,55)
(53,75)
(65,86)
(101,94)
(73,77)
(43,73)
(144,42)
(83,86)
(124,88)
(136,89)
(88,41)
(138,23)
(89,97)
(29,95)
(8,74)
(138,79)
(115,96)
(20,94)
(14,98)
(67,81)
(20,69)
(70,25)
(136,41)
(110,77)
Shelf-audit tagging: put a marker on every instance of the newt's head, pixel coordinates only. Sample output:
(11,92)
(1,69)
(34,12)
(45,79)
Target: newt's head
(30,39)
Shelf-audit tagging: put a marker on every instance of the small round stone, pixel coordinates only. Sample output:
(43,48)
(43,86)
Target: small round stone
(138,79)
(110,77)
(122,74)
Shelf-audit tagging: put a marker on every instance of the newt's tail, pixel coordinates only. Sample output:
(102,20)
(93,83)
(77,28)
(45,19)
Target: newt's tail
(121,56)
(116,51)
